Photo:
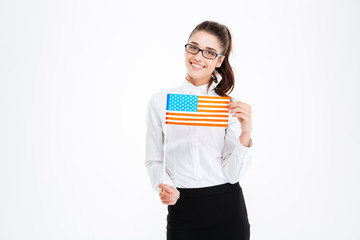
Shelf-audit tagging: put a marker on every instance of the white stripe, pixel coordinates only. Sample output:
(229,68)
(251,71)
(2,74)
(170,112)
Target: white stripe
(214,104)
(198,113)
(199,117)
(207,108)
(177,121)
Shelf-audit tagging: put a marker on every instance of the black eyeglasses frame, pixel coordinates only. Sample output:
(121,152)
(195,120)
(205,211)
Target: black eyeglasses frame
(202,51)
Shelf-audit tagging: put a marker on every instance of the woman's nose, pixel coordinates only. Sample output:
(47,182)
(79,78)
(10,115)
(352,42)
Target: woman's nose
(198,56)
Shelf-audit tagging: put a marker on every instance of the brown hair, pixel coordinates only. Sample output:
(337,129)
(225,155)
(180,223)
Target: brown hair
(227,82)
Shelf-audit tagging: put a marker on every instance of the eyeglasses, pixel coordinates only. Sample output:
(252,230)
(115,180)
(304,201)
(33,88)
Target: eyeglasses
(206,53)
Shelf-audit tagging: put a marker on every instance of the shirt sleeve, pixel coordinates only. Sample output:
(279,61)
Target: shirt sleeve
(236,157)
(154,149)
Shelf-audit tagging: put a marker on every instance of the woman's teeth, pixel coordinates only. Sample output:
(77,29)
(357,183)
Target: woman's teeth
(197,66)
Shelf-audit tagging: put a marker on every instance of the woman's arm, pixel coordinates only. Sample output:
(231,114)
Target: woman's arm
(245,138)
(154,146)
(236,157)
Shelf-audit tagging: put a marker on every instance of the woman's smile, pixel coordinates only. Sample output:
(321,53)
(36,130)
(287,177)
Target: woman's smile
(196,66)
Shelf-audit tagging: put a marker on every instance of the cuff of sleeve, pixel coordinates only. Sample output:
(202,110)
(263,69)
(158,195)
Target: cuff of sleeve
(242,146)
(167,181)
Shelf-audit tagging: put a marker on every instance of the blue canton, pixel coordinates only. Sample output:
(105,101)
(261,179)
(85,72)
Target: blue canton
(182,102)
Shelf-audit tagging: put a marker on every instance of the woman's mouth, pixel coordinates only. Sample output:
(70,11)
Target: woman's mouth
(196,66)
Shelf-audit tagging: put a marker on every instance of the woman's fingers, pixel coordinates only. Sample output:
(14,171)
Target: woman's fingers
(168,194)
(173,192)
(243,105)
(169,202)
(240,109)
(163,186)
(167,198)
(166,187)
(242,116)
(170,190)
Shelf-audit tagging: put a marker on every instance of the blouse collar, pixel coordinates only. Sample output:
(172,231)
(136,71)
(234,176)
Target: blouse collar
(188,87)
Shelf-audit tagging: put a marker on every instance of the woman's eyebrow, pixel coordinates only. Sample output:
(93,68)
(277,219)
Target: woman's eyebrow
(205,47)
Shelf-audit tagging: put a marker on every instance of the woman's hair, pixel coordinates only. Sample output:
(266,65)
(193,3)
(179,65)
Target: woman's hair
(226,85)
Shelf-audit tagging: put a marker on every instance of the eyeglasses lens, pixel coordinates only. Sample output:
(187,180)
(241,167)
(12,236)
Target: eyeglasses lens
(206,53)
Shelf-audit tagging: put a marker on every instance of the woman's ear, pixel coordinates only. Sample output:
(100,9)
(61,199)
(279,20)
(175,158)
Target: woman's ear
(219,61)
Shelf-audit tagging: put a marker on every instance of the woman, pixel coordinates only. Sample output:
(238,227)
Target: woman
(203,164)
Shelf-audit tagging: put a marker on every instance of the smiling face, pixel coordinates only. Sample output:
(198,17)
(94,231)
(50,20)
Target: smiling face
(199,68)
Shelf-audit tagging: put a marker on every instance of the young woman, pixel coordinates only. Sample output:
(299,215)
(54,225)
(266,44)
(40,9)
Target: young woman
(203,164)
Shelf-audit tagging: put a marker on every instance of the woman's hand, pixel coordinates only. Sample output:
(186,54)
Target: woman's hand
(243,113)
(168,194)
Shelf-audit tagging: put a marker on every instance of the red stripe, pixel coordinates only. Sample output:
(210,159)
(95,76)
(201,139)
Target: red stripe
(196,115)
(197,119)
(212,106)
(199,124)
(203,110)
(204,101)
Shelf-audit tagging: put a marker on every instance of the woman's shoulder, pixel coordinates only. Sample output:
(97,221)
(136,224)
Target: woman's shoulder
(234,99)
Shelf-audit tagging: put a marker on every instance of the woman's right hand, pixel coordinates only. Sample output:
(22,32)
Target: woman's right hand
(168,194)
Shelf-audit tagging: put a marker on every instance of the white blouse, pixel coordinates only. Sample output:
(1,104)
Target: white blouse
(196,156)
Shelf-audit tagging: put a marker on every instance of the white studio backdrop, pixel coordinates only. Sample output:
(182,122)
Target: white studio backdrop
(75,78)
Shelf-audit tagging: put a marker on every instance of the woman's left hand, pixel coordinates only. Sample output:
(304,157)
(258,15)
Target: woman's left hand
(168,194)
(243,113)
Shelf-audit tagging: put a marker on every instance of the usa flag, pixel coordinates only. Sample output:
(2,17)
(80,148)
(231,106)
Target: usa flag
(184,109)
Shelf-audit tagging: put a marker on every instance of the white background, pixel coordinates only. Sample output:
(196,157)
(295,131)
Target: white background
(75,77)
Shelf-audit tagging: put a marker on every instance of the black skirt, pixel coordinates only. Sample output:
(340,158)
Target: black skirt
(216,212)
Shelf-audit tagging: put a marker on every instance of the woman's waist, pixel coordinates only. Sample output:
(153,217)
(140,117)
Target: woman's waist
(195,192)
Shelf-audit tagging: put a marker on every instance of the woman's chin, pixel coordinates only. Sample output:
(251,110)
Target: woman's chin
(195,74)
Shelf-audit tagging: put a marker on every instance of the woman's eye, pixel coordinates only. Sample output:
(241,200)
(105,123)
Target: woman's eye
(192,47)
(211,53)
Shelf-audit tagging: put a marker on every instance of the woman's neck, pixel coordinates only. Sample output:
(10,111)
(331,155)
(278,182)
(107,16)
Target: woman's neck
(198,81)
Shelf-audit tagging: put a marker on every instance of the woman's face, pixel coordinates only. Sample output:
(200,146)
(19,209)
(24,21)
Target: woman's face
(199,68)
